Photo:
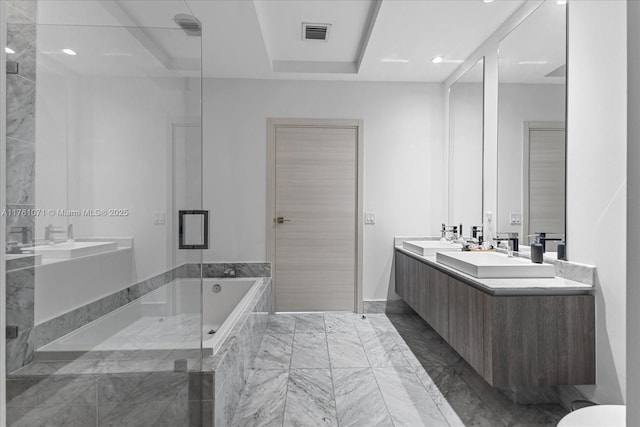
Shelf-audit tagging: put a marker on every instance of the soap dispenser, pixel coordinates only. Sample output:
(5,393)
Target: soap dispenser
(562,247)
(536,250)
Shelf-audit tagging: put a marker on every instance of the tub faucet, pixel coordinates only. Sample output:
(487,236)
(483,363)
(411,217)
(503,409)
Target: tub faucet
(49,233)
(70,232)
(230,272)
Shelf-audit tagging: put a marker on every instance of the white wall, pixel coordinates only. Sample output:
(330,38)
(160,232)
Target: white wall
(596,176)
(402,165)
(519,103)
(633,214)
(106,144)
(124,146)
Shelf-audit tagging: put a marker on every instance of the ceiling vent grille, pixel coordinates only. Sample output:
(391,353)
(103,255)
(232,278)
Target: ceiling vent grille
(189,24)
(315,31)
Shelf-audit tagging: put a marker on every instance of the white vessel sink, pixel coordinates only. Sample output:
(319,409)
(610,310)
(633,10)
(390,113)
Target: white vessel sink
(430,247)
(73,249)
(494,265)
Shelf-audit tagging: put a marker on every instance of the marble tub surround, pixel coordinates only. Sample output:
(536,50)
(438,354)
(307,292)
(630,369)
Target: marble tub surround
(54,328)
(15,262)
(230,367)
(20,298)
(143,387)
(510,286)
(105,399)
(383,370)
(59,326)
(216,270)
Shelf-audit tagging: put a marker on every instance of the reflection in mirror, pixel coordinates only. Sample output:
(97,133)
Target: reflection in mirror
(465,148)
(531,126)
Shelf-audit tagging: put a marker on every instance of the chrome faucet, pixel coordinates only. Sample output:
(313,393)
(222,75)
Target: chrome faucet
(24,232)
(449,232)
(49,233)
(543,239)
(477,232)
(512,239)
(230,272)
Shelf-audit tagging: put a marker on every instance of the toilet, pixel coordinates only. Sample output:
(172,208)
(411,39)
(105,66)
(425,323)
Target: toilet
(596,416)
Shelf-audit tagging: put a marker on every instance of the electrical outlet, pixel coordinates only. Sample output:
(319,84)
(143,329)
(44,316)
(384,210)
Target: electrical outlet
(515,218)
(158,218)
(369,217)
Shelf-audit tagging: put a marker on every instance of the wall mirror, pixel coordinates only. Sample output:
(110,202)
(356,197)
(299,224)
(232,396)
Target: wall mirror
(531,126)
(466,100)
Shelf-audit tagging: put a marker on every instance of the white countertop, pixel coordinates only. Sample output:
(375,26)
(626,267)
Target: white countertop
(521,287)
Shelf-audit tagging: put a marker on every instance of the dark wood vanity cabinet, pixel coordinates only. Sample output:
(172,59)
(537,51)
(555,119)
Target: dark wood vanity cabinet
(426,290)
(509,340)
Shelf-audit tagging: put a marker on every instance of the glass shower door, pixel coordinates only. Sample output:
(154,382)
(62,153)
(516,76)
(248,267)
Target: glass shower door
(104,149)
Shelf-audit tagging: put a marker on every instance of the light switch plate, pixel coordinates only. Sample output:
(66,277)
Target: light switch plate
(369,217)
(158,218)
(515,218)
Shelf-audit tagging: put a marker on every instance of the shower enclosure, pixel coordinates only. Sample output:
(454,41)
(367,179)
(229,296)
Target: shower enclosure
(103,214)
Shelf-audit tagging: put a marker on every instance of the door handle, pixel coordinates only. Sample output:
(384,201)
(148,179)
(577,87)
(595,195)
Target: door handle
(197,221)
(282,220)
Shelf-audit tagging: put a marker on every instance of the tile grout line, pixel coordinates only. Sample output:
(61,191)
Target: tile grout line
(373,373)
(333,387)
(444,417)
(286,392)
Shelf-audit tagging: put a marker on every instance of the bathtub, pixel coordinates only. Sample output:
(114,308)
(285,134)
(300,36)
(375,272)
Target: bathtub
(167,318)
(223,302)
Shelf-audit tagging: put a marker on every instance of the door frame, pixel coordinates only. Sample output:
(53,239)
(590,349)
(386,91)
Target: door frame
(272,125)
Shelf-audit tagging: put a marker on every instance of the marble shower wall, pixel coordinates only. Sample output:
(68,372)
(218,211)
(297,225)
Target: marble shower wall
(21,104)
(21,135)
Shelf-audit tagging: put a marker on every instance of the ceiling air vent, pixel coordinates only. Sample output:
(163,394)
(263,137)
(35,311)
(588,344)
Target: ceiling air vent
(315,31)
(189,24)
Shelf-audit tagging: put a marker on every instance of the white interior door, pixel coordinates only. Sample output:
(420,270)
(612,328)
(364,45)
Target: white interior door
(316,202)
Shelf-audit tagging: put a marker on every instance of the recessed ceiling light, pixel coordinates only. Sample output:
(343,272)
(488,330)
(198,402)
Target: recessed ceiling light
(453,61)
(401,61)
(69,52)
(488,1)
(437,59)
(9,50)
(561,2)
(532,62)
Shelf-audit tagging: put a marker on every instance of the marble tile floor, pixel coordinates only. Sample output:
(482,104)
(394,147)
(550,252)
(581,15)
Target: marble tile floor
(381,370)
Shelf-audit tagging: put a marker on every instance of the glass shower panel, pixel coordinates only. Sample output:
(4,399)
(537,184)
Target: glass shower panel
(112,334)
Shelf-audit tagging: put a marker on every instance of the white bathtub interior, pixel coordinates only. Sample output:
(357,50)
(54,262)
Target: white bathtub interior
(167,318)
